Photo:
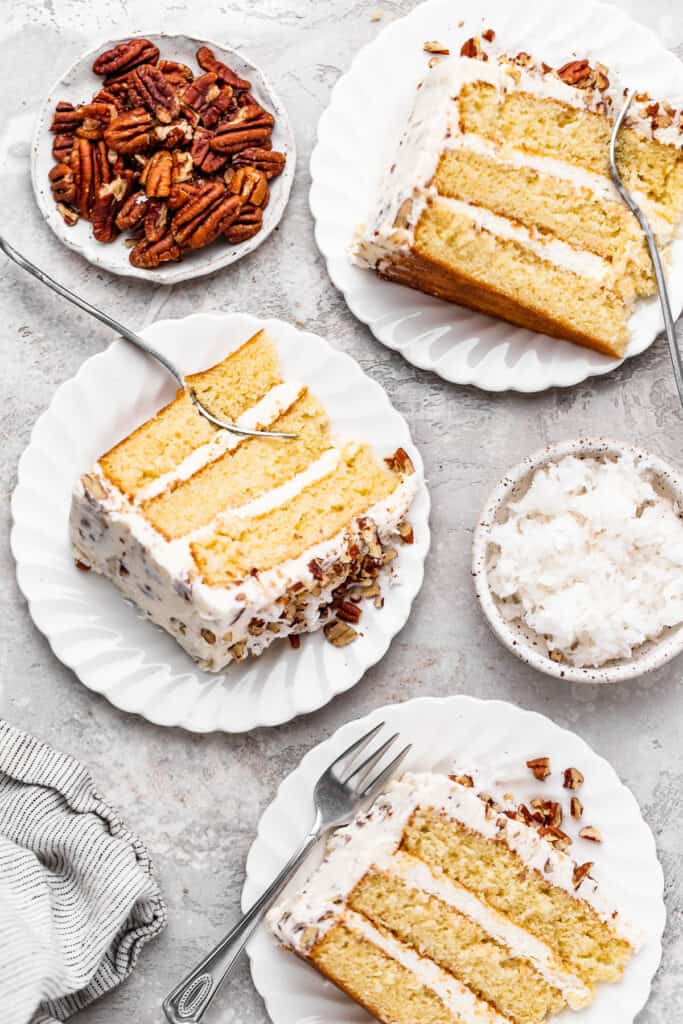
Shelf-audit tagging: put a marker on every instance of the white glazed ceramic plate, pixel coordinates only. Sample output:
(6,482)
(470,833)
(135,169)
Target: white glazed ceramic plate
(93,630)
(521,640)
(501,738)
(79,84)
(357,137)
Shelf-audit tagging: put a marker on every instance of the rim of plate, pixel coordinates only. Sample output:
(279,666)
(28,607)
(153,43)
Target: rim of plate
(79,237)
(586,362)
(165,706)
(649,656)
(302,778)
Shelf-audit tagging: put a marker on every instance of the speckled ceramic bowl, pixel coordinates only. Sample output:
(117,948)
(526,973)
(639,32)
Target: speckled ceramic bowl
(525,642)
(79,84)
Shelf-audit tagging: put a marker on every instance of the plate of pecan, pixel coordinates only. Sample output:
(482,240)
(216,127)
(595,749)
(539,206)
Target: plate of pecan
(163,157)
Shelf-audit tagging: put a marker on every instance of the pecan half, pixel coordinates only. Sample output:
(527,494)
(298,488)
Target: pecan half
(248,223)
(251,184)
(62,183)
(69,216)
(95,117)
(182,193)
(156,220)
(132,212)
(61,147)
(202,154)
(66,118)
(82,167)
(109,200)
(208,61)
(154,92)
(182,166)
(125,57)
(192,213)
(218,218)
(176,73)
(269,161)
(575,72)
(150,255)
(250,125)
(116,97)
(101,168)
(130,132)
(156,175)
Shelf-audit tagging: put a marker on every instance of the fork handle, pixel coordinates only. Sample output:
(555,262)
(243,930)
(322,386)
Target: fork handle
(188,1001)
(108,321)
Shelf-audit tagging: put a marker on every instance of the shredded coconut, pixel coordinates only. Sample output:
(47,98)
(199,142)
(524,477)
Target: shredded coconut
(591,558)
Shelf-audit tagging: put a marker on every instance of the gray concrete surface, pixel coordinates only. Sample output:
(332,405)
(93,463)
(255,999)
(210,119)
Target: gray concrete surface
(196,800)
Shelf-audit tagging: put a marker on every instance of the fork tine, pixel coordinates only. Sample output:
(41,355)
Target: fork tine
(356,747)
(359,775)
(375,787)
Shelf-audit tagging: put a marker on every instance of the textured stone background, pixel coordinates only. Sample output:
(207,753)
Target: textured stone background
(197,800)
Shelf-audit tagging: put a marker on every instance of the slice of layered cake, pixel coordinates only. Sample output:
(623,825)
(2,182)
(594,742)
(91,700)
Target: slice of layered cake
(438,907)
(500,197)
(230,542)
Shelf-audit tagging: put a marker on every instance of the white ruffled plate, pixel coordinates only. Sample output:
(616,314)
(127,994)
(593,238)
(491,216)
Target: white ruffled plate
(103,638)
(79,84)
(502,738)
(357,137)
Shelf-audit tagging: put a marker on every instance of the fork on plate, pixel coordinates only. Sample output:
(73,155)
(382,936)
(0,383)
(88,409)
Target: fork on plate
(344,790)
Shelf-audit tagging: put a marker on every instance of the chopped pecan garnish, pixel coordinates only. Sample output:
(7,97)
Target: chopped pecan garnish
(471,47)
(269,161)
(339,634)
(432,46)
(400,462)
(463,780)
(125,57)
(580,872)
(347,611)
(592,833)
(405,532)
(573,778)
(540,767)
(575,807)
(489,35)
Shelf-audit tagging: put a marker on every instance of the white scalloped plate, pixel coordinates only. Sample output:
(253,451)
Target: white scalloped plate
(501,737)
(357,136)
(79,84)
(93,630)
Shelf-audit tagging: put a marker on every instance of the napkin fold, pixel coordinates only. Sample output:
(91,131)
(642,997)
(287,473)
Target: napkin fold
(78,899)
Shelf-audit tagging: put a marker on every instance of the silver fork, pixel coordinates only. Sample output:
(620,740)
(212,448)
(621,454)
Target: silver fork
(134,339)
(633,206)
(343,790)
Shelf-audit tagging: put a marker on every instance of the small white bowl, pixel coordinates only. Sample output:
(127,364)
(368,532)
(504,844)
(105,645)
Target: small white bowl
(520,639)
(78,85)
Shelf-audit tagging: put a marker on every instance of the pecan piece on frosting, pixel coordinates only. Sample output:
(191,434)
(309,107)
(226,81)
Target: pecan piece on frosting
(130,132)
(575,72)
(251,184)
(156,175)
(471,47)
(400,462)
(209,62)
(125,57)
(149,255)
(540,767)
(62,183)
(269,161)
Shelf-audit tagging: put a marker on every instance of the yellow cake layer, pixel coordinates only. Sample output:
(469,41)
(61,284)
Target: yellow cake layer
(576,303)
(568,926)
(228,389)
(243,544)
(554,205)
(389,991)
(551,128)
(255,466)
(459,945)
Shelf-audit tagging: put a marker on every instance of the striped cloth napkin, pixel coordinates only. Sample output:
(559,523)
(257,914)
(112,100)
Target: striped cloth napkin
(78,900)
